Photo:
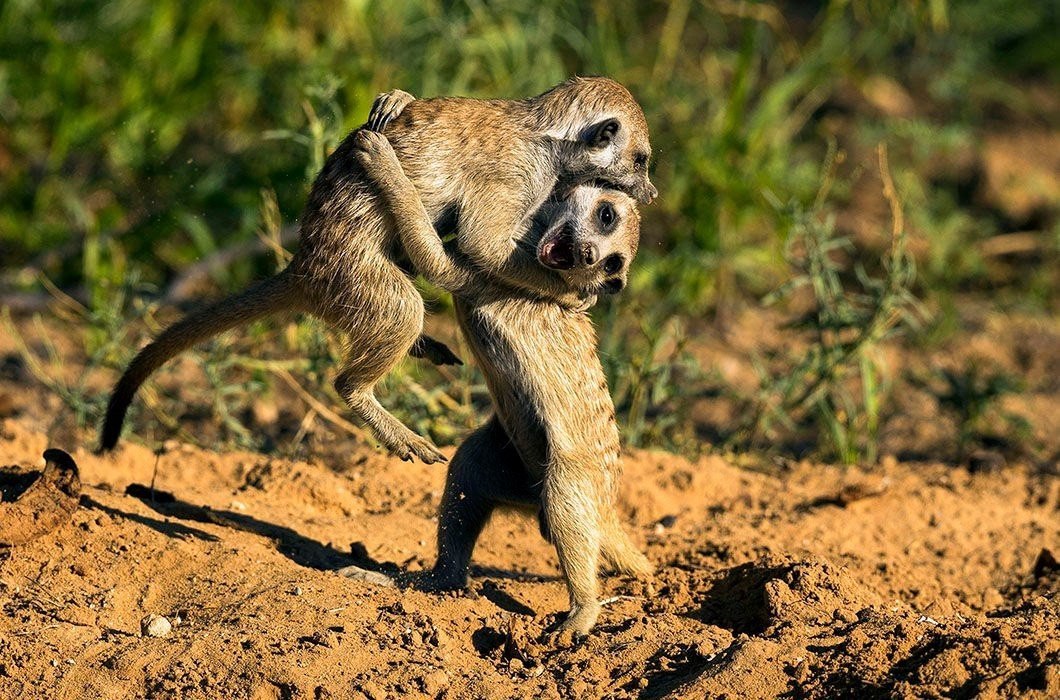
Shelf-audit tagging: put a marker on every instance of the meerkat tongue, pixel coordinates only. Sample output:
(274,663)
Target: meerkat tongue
(558,253)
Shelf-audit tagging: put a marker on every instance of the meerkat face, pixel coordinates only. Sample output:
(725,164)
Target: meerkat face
(603,135)
(617,150)
(590,238)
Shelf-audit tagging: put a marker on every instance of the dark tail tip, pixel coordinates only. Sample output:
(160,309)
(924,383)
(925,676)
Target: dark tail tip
(108,438)
(111,432)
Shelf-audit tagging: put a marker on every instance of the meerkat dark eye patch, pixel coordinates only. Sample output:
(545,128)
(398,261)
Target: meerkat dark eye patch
(607,216)
(640,161)
(601,134)
(613,286)
(613,265)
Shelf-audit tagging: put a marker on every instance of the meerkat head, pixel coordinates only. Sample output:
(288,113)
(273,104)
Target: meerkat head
(604,133)
(589,238)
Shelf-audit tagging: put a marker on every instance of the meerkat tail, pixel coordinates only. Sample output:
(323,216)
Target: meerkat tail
(278,293)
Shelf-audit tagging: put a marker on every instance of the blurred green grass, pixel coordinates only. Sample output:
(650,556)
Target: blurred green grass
(137,137)
(135,130)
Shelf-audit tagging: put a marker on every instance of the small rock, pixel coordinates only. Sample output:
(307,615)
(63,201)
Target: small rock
(845,615)
(155,626)
(1039,601)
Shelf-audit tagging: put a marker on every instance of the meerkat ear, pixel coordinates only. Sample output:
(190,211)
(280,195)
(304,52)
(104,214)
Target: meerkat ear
(601,134)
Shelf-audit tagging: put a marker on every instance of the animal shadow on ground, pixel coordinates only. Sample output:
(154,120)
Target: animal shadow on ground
(175,530)
(504,600)
(296,547)
(299,549)
(14,481)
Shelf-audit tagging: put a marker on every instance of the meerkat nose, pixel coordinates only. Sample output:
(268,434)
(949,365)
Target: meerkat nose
(589,254)
(650,193)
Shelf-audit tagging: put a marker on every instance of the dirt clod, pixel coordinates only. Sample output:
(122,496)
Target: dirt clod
(34,504)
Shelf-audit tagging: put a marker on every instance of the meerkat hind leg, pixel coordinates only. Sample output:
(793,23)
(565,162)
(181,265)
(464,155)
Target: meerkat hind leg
(395,435)
(354,384)
(573,521)
(485,472)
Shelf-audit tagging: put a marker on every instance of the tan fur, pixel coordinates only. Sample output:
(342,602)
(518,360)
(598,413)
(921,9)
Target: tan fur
(553,443)
(481,167)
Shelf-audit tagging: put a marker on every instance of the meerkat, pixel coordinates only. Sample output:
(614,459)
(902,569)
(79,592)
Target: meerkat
(553,443)
(481,167)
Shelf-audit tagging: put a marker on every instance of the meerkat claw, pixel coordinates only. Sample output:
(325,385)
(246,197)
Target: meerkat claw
(428,454)
(386,107)
(434,351)
(416,447)
(579,621)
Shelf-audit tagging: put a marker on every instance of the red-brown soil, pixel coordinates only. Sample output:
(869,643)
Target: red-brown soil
(911,581)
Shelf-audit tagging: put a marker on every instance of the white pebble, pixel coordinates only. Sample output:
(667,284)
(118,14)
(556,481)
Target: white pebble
(155,626)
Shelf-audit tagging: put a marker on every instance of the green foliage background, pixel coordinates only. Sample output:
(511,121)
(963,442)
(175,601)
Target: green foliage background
(140,126)
(137,136)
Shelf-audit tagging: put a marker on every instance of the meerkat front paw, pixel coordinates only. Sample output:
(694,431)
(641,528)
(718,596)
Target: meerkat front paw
(386,107)
(574,629)
(376,156)
(372,149)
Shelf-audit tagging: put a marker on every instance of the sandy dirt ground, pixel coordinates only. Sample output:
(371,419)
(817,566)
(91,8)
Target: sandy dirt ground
(910,581)
(917,578)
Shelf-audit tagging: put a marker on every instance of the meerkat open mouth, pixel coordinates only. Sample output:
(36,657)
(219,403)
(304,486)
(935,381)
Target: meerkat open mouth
(558,252)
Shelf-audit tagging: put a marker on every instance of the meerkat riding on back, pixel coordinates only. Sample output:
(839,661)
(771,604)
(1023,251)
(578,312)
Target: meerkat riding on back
(553,443)
(481,168)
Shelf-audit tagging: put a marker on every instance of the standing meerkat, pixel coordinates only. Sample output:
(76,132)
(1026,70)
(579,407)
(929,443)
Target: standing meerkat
(481,168)
(553,443)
